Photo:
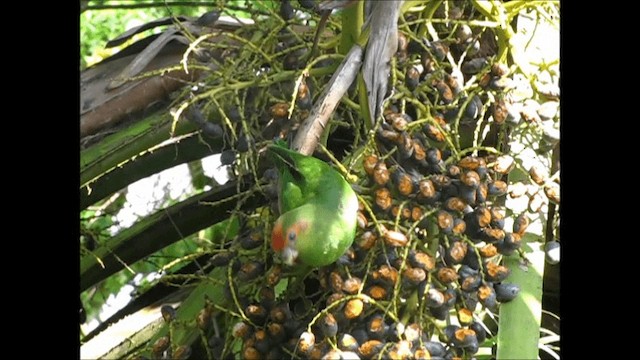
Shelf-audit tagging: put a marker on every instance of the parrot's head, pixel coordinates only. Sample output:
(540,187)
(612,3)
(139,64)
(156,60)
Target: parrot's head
(285,236)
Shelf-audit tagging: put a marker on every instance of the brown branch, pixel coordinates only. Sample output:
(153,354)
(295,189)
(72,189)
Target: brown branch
(313,126)
(140,5)
(162,4)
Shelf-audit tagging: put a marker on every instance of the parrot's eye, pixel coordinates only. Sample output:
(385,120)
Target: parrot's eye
(292,236)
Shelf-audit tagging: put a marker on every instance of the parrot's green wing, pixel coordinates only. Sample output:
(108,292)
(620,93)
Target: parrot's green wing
(302,178)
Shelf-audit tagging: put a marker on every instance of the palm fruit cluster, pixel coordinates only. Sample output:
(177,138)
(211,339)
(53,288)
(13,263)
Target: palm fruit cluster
(431,234)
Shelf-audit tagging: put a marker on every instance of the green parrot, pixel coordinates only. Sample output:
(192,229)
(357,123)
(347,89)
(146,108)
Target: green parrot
(318,209)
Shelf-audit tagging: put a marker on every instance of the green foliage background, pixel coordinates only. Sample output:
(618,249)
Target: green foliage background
(97,27)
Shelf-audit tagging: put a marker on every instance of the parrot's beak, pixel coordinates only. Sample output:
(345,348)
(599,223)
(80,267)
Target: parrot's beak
(289,255)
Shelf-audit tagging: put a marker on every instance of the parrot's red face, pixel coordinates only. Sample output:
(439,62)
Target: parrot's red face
(284,239)
(277,237)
